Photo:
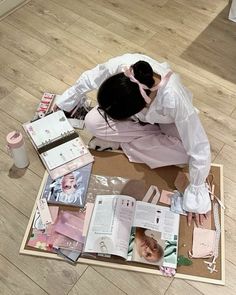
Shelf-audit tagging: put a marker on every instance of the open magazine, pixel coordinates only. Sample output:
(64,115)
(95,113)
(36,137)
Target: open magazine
(135,230)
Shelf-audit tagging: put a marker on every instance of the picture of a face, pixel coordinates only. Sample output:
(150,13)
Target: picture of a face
(147,247)
(69,189)
(69,183)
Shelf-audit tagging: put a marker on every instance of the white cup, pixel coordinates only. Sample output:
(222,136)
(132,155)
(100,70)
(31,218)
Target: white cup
(16,149)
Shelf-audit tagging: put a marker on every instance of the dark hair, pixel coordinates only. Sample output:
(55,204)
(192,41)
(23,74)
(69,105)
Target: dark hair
(119,98)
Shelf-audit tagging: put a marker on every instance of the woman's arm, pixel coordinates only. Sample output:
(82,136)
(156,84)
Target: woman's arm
(93,78)
(196,144)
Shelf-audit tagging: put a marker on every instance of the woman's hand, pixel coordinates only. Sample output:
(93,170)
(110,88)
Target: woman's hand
(198,218)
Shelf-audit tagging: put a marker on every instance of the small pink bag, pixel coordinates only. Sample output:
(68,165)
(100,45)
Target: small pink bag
(204,243)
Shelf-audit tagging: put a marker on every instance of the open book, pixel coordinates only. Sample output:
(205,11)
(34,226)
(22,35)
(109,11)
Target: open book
(135,230)
(59,146)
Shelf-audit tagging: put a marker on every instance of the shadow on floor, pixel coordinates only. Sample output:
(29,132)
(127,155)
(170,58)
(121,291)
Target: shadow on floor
(215,48)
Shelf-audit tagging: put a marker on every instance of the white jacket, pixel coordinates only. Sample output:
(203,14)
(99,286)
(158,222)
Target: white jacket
(173,104)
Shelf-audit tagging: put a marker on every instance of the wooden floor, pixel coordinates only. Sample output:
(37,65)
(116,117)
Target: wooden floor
(44,46)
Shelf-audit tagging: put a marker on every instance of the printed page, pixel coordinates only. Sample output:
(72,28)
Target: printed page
(49,128)
(110,225)
(155,217)
(64,153)
(154,238)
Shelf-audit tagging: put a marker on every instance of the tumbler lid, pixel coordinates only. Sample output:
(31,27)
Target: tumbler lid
(14,139)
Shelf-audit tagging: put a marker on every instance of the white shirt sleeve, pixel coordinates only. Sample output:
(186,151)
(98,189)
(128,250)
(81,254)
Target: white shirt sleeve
(92,79)
(88,81)
(196,144)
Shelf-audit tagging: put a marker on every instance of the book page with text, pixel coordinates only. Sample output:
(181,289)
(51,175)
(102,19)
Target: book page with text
(110,225)
(49,128)
(154,238)
(155,217)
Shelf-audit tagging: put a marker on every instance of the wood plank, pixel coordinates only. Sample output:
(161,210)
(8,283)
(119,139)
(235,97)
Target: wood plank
(64,68)
(227,157)
(7,7)
(213,49)
(8,124)
(181,287)
(55,277)
(100,37)
(19,187)
(51,12)
(13,281)
(233,115)
(202,76)
(183,26)
(216,146)
(21,44)
(6,87)
(205,91)
(201,6)
(91,10)
(91,282)
(139,34)
(109,19)
(27,76)
(217,123)
(55,37)
(230,198)
(229,287)
(134,282)
(19,104)
(110,12)
(230,237)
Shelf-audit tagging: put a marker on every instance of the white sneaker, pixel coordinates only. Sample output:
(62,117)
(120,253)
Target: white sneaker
(181,165)
(103,145)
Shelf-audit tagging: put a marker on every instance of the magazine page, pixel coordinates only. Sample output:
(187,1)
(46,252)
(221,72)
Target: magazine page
(70,225)
(110,225)
(70,189)
(154,236)
(49,128)
(64,153)
(65,233)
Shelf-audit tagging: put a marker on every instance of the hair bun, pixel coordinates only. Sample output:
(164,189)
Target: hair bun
(143,72)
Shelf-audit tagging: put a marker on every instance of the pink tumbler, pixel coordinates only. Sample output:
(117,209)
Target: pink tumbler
(16,148)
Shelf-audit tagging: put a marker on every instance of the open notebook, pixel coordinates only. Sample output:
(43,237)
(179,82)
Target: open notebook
(59,146)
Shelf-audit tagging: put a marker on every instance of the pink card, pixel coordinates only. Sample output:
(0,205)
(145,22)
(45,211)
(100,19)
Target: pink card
(54,213)
(40,240)
(165,197)
(64,242)
(88,214)
(70,225)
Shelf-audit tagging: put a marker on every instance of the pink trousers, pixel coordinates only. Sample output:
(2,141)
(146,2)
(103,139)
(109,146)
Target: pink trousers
(155,145)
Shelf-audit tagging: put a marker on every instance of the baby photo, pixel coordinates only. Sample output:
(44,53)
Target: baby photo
(146,246)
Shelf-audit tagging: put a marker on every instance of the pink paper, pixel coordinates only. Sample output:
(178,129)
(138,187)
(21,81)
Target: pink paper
(165,197)
(41,240)
(70,225)
(88,214)
(54,213)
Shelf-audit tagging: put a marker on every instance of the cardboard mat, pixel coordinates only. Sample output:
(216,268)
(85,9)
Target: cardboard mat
(141,177)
